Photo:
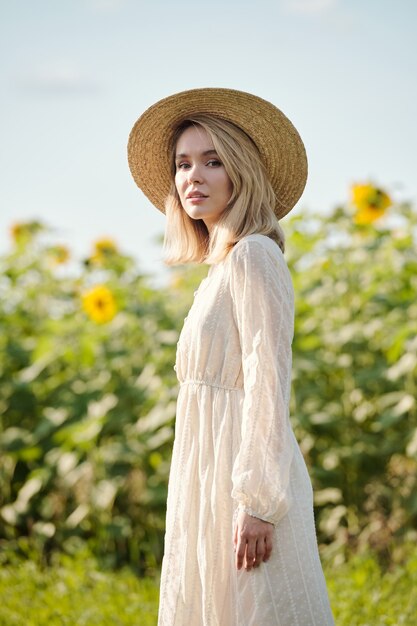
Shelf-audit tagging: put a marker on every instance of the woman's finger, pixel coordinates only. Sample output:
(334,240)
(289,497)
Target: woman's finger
(240,551)
(260,552)
(268,547)
(250,554)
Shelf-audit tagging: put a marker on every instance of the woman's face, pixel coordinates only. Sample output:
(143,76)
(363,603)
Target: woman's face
(201,180)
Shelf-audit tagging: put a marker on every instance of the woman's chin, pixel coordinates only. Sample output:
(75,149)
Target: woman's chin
(196,213)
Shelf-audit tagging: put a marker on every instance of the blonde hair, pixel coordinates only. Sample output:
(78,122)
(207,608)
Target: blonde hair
(250,209)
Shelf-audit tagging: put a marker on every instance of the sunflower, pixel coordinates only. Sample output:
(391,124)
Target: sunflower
(59,254)
(22,232)
(104,249)
(99,304)
(371,203)
(17,230)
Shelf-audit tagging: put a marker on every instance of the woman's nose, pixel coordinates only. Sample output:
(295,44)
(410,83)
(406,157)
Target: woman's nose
(194,174)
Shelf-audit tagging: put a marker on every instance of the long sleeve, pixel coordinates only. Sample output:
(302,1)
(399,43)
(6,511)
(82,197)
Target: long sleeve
(263,299)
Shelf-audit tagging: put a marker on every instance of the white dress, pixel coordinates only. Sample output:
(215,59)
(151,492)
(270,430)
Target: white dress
(234,447)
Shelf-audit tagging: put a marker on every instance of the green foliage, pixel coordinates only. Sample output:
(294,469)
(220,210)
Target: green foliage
(87,408)
(355,371)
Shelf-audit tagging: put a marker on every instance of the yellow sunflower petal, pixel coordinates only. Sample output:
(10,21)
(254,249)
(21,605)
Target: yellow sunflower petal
(59,254)
(105,245)
(371,202)
(99,304)
(103,250)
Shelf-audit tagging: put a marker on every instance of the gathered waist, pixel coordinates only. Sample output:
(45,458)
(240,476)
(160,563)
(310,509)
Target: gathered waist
(205,383)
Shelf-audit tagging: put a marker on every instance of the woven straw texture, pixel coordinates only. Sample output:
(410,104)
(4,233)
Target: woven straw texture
(278,141)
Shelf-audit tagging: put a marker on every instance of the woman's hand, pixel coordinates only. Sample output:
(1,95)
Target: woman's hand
(252,541)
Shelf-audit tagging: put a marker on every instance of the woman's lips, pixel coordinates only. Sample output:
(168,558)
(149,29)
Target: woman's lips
(196,198)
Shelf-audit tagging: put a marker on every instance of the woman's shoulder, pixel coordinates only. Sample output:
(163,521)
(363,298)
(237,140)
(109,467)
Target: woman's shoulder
(260,256)
(250,244)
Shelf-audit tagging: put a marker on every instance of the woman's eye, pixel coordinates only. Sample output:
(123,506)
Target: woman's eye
(214,163)
(182,166)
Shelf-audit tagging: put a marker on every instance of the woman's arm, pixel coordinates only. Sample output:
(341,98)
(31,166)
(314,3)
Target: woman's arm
(263,304)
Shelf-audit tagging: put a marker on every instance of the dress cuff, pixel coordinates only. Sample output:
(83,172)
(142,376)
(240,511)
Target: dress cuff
(253,513)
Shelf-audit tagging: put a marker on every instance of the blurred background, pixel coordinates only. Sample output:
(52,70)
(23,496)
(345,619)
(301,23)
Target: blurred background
(89,315)
(76,75)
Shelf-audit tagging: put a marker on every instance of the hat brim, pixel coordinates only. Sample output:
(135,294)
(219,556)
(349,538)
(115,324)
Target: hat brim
(279,143)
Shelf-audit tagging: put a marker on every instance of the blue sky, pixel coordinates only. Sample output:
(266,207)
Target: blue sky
(76,74)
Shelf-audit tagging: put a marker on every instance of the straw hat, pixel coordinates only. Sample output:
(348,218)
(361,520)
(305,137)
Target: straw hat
(281,148)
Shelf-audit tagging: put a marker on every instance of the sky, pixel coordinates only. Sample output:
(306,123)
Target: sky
(76,74)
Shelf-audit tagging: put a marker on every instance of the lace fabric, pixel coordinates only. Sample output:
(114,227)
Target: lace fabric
(234,448)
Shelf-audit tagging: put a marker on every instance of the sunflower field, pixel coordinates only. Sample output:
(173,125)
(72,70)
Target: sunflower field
(88,390)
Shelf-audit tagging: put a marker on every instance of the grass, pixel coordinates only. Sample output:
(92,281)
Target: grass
(363,595)
(74,591)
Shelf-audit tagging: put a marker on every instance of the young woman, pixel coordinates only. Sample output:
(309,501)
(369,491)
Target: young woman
(240,543)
